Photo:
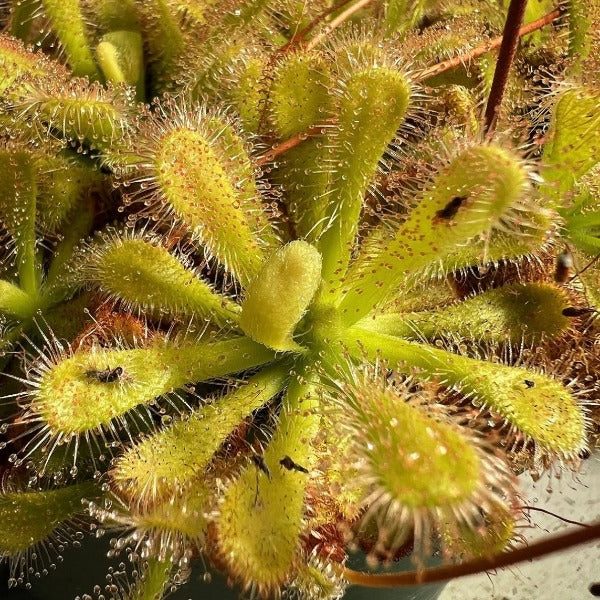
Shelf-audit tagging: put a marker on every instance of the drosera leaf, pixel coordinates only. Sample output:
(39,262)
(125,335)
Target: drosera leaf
(145,277)
(277,298)
(65,184)
(530,230)
(14,302)
(210,72)
(460,107)
(61,281)
(165,42)
(21,18)
(192,13)
(67,22)
(196,168)
(261,514)
(299,95)
(583,20)
(171,458)
(248,11)
(30,517)
(121,58)
(18,211)
(369,111)
(534,404)
(153,580)
(72,396)
(527,239)
(573,145)
(78,111)
(582,219)
(417,470)
(516,313)
(318,579)
(114,15)
(167,527)
(18,63)
(433,480)
(401,15)
(243,88)
(492,532)
(482,187)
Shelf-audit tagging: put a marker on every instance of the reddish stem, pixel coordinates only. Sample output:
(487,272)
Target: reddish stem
(292,142)
(299,36)
(343,16)
(485,47)
(479,565)
(508,48)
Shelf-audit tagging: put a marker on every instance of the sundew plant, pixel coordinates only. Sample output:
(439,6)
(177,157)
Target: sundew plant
(282,281)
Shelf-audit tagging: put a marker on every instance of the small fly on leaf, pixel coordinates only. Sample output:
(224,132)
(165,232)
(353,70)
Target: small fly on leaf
(107,375)
(290,465)
(449,211)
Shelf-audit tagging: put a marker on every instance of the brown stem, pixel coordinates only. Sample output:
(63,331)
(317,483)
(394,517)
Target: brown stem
(479,565)
(508,48)
(299,36)
(485,47)
(293,142)
(343,16)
